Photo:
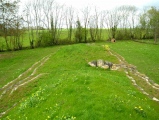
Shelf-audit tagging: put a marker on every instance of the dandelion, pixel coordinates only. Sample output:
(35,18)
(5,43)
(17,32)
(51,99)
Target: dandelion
(107,48)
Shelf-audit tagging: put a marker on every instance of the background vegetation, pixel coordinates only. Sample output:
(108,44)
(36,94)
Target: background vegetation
(47,23)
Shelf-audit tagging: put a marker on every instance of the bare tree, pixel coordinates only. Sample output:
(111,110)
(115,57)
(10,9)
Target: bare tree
(69,21)
(17,32)
(47,7)
(86,12)
(101,25)
(56,22)
(112,19)
(29,19)
(94,25)
(133,20)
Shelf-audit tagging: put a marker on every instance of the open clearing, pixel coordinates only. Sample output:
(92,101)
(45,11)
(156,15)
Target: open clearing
(57,83)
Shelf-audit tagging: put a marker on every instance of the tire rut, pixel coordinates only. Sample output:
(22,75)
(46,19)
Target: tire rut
(133,74)
(26,77)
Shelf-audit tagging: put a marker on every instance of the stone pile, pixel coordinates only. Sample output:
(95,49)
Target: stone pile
(101,63)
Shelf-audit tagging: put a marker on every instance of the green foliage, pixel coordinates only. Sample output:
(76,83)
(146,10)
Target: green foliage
(80,33)
(45,39)
(140,111)
(33,100)
(123,34)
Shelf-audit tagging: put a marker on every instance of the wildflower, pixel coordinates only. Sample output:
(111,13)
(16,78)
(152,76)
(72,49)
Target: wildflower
(140,107)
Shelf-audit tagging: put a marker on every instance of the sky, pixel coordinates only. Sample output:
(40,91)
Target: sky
(105,4)
(108,4)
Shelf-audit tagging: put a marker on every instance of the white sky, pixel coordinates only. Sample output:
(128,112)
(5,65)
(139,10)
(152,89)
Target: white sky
(108,4)
(105,4)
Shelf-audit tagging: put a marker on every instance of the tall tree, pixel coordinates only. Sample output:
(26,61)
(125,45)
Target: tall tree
(153,15)
(8,11)
(112,22)
(86,18)
(69,22)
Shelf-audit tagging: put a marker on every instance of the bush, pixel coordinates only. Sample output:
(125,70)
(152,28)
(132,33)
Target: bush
(45,39)
(123,35)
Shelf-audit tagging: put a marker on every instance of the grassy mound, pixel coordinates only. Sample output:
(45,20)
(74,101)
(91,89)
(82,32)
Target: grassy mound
(72,89)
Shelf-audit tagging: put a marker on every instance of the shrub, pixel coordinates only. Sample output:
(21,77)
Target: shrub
(45,39)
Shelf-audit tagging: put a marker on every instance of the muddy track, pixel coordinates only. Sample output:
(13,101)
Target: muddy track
(26,77)
(136,77)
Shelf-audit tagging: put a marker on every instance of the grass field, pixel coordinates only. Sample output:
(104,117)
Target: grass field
(71,89)
(63,38)
(144,56)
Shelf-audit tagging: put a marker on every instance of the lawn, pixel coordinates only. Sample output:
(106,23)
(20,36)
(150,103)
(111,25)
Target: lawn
(71,89)
(144,56)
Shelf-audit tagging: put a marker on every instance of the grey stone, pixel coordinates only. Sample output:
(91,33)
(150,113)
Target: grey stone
(101,63)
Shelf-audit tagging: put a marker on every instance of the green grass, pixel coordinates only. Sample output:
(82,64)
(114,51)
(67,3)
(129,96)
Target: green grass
(14,63)
(144,56)
(72,89)
(63,38)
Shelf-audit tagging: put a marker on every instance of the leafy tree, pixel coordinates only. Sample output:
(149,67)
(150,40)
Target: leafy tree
(79,34)
(153,15)
(8,18)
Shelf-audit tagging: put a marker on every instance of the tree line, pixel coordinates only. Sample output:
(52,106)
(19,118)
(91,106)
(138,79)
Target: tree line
(44,23)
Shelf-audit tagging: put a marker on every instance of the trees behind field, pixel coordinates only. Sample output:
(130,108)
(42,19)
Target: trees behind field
(10,26)
(48,23)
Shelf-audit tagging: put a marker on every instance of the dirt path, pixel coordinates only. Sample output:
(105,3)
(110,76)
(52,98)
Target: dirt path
(141,81)
(23,79)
